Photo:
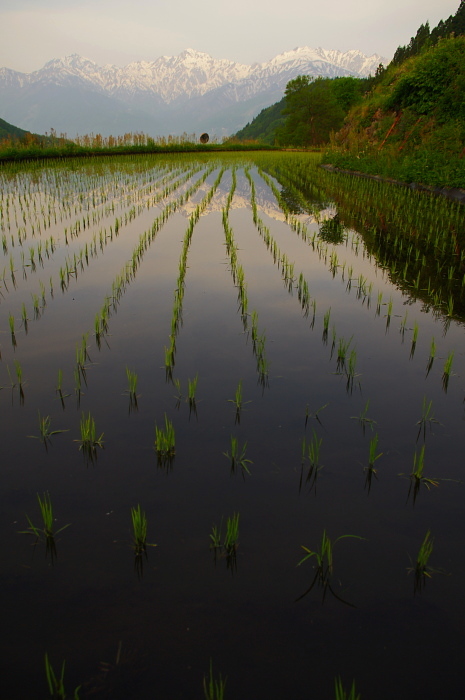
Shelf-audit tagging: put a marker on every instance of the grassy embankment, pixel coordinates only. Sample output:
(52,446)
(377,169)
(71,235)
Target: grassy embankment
(411,126)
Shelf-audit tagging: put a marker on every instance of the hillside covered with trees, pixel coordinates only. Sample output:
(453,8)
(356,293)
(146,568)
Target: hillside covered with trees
(406,122)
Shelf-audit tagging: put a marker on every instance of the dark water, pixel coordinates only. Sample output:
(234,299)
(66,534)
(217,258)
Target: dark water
(165,623)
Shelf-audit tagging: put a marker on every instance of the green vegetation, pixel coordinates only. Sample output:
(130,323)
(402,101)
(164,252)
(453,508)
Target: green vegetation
(315,107)
(56,685)
(342,694)
(324,564)
(264,125)
(45,430)
(213,688)
(89,440)
(237,456)
(411,124)
(19,145)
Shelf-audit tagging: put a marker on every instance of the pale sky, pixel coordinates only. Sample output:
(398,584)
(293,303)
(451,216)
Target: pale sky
(33,32)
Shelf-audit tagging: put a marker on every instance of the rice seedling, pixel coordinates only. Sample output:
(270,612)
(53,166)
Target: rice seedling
(311,451)
(414,339)
(315,414)
(45,531)
(213,688)
(427,417)
(231,538)
(132,388)
(432,355)
(342,350)
(326,318)
(363,419)
(165,441)
(24,317)
(447,371)
(420,568)
(238,401)
(56,684)
(45,430)
(139,528)
(237,456)
(226,546)
(324,565)
(389,313)
(11,322)
(89,440)
(342,694)
(373,456)
(178,396)
(417,477)
(191,389)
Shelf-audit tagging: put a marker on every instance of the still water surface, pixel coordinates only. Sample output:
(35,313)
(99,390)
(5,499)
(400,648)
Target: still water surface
(166,616)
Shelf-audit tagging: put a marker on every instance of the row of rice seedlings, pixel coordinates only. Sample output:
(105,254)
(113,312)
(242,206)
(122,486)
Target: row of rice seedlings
(364,288)
(413,248)
(176,318)
(72,265)
(70,193)
(238,275)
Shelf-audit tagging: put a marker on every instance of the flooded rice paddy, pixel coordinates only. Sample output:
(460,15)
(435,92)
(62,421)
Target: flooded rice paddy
(261,359)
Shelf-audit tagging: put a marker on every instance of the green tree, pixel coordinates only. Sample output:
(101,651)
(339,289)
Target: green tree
(312,111)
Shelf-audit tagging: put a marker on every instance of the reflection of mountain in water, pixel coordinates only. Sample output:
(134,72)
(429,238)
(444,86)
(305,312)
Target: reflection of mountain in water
(266,202)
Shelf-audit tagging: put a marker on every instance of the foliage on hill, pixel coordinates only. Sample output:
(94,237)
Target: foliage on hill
(314,108)
(8,131)
(310,109)
(424,38)
(411,125)
(264,125)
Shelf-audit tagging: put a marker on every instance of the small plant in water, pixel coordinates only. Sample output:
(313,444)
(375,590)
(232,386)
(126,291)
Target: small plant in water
(427,417)
(324,565)
(420,568)
(447,371)
(342,694)
(165,442)
(45,430)
(311,452)
(89,440)
(237,456)
(213,688)
(56,684)
(45,531)
(373,457)
(238,401)
(417,477)
(363,419)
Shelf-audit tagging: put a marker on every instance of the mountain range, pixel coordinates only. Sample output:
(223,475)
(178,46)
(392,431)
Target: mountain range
(191,92)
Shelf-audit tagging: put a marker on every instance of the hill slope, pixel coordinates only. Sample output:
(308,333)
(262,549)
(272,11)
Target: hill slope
(411,126)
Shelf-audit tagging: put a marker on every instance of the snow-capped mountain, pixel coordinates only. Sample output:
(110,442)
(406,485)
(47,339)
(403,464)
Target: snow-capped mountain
(190,92)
